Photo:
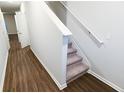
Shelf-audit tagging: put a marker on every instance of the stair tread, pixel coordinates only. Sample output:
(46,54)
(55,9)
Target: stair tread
(72,50)
(76,69)
(73,59)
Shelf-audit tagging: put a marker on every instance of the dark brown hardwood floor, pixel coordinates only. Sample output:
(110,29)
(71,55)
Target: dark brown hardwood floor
(25,73)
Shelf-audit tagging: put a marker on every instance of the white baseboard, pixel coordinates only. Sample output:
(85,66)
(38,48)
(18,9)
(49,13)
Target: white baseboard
(3,74)
(106,81)
(60,86)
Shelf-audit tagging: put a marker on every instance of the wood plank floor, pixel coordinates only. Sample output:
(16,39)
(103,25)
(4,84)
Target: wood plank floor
(25,73)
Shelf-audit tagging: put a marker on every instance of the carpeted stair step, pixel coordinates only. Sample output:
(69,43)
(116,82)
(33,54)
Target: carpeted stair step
(74,59)
(69,44)
(72,51)
(76,70)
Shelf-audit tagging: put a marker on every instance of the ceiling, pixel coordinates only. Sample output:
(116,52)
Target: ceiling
(10,7)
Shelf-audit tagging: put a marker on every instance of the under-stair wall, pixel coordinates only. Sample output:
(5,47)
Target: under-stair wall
(49,40)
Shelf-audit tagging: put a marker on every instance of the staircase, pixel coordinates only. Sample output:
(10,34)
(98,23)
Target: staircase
(75,65)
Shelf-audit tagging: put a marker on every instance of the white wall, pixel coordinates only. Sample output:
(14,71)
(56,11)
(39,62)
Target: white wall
(22,29)
(10,23)
(4,45)
(48,40)
(105,19)
(58,10)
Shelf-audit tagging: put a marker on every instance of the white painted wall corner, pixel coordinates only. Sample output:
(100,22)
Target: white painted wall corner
(106,81)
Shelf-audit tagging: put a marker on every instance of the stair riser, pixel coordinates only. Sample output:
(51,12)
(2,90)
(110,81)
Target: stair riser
(75,62)
(69,45)
(76,77)
(72,53)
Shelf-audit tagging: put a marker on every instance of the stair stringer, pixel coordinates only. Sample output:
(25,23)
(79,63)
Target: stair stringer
(80,52)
